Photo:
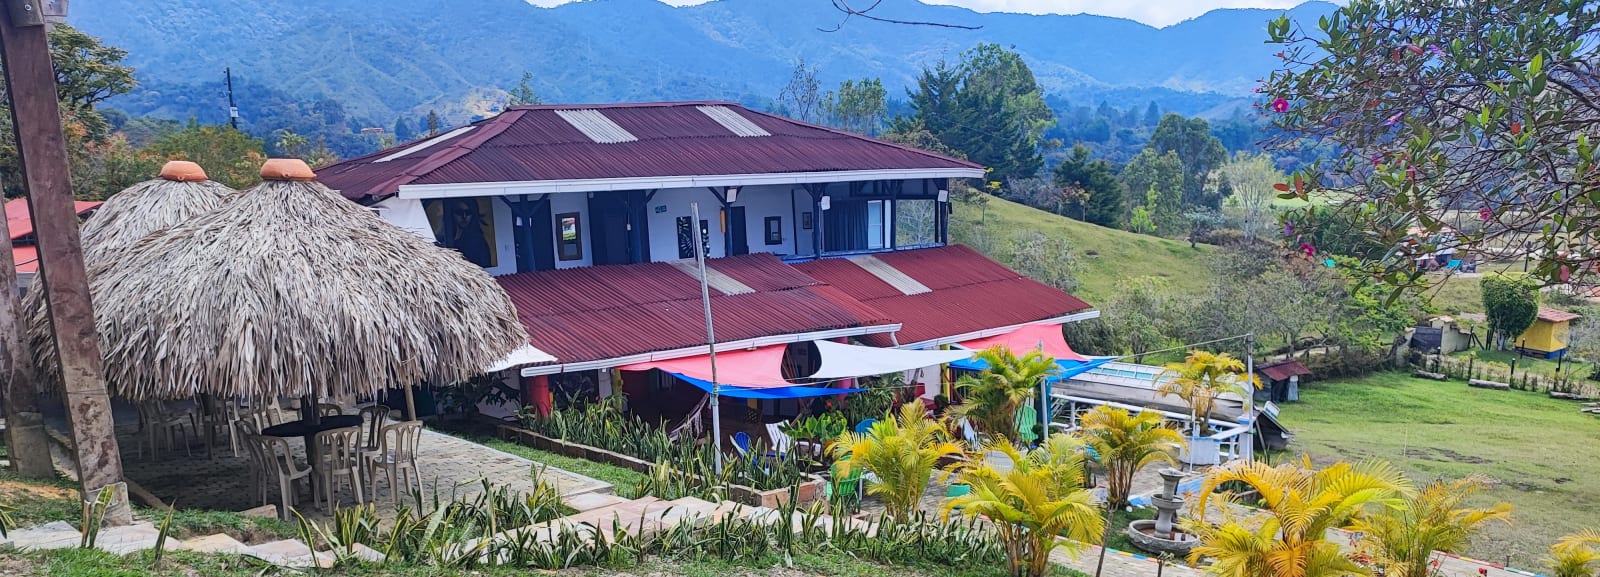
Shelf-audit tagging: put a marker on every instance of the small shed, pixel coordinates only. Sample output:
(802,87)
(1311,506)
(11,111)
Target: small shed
(1547,337)
(1441,335)
(1271,435)
(1280,381)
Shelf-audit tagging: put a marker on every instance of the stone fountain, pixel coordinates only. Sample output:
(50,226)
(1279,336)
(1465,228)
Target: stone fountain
(1162,534)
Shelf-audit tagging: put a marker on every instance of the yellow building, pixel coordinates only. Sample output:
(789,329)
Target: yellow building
(1548,336)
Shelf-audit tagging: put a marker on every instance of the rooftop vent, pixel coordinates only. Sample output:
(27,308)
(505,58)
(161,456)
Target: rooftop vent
(593,124)
(733,121)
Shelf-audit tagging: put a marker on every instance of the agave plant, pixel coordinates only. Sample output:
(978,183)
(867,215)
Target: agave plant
(901,452)
(1041,497)
(1302,504)
(1402,540)
(1576,555)
(1124,443)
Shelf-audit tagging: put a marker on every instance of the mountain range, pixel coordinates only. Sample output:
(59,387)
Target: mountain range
(389,58)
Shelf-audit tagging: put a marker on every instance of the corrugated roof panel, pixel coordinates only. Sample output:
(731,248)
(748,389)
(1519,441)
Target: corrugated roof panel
(603,312)
(968,293)
(540,143)
(738,125)
(426,144)
(596,126)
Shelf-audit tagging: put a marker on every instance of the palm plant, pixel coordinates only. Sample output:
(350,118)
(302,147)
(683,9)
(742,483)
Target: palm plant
(1041,497)
(1576,555)
(1402,540)
(1200,379)
(1302,505)
(1125,443)
(901,451)
(991,399)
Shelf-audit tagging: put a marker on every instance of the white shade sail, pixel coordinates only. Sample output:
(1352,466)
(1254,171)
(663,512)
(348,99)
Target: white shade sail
(408,214)
(842,361)
(524,355)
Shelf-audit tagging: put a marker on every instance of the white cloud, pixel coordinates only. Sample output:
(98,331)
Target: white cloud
(1152,12)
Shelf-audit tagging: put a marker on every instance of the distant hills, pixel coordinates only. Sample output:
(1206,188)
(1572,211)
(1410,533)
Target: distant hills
(394,58)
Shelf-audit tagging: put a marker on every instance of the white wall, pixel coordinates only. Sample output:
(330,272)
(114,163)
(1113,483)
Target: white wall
(760,202)
(664,225)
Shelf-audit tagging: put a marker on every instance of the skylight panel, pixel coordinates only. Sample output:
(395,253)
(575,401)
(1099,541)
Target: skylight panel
(733,121)
(594,124)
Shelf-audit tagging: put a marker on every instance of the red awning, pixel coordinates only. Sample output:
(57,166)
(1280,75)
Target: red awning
(759,368)
(1028,338)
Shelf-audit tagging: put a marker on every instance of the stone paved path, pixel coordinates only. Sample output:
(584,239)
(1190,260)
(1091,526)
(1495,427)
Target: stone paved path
(453,466)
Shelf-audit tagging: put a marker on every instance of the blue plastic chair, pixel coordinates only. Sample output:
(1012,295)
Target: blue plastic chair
(865,425)
(741,442)
(1454,264)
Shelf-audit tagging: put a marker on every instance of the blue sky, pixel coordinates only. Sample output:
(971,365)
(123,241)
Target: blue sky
(1152,12)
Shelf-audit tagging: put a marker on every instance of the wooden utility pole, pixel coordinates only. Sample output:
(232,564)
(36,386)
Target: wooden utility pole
(28,444)
(41,149)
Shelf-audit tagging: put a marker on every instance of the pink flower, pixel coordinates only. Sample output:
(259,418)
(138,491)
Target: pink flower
(1308,249)
(1484,214)
(1436,50)
(1279,105)
(1393,119)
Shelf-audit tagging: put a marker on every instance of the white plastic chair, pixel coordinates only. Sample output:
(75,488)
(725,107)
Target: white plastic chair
(396,457)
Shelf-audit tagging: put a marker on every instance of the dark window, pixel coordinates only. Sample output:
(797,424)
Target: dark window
(774,230)
(569,236)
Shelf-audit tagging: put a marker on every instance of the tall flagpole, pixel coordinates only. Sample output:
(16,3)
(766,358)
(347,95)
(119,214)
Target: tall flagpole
(711,335)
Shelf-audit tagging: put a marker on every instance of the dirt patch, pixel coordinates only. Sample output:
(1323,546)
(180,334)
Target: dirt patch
(1460,458)
(13,489)
(1444,456)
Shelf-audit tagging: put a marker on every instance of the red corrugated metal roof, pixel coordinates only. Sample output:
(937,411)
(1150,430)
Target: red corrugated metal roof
(1283,370)
(26,257)
(533,143)
(20,223)
(969,293)
(604,312)
(1556,315)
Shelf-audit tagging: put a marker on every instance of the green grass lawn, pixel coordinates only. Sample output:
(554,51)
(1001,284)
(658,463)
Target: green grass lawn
(1542,455)
(1501,360)
(1108,257)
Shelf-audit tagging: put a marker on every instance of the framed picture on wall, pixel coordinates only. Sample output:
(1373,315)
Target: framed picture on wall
(569,236)
(805,220)
(774,230)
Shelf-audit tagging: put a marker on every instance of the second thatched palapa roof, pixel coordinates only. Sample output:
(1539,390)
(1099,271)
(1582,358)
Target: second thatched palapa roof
(292,290)
(179,195)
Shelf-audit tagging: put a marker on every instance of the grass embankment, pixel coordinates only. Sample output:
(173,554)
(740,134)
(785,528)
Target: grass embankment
(1542,455)
(1108,258)
(32,502)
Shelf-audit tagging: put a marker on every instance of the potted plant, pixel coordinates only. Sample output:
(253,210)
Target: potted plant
(1199,380)
(811,433)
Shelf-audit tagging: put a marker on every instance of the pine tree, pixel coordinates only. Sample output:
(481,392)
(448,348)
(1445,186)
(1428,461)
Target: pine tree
(402,130)
(433,122)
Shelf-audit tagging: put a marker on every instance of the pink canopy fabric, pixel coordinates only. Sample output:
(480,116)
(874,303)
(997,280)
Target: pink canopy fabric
(759,368)
(1030,338)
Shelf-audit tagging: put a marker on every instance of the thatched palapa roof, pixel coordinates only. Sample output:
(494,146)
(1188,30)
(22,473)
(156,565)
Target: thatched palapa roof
(179,195)
(291,289)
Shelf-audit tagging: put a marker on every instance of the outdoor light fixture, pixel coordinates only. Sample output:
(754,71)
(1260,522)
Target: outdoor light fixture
(944,195)
(825,202)
(732,194)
